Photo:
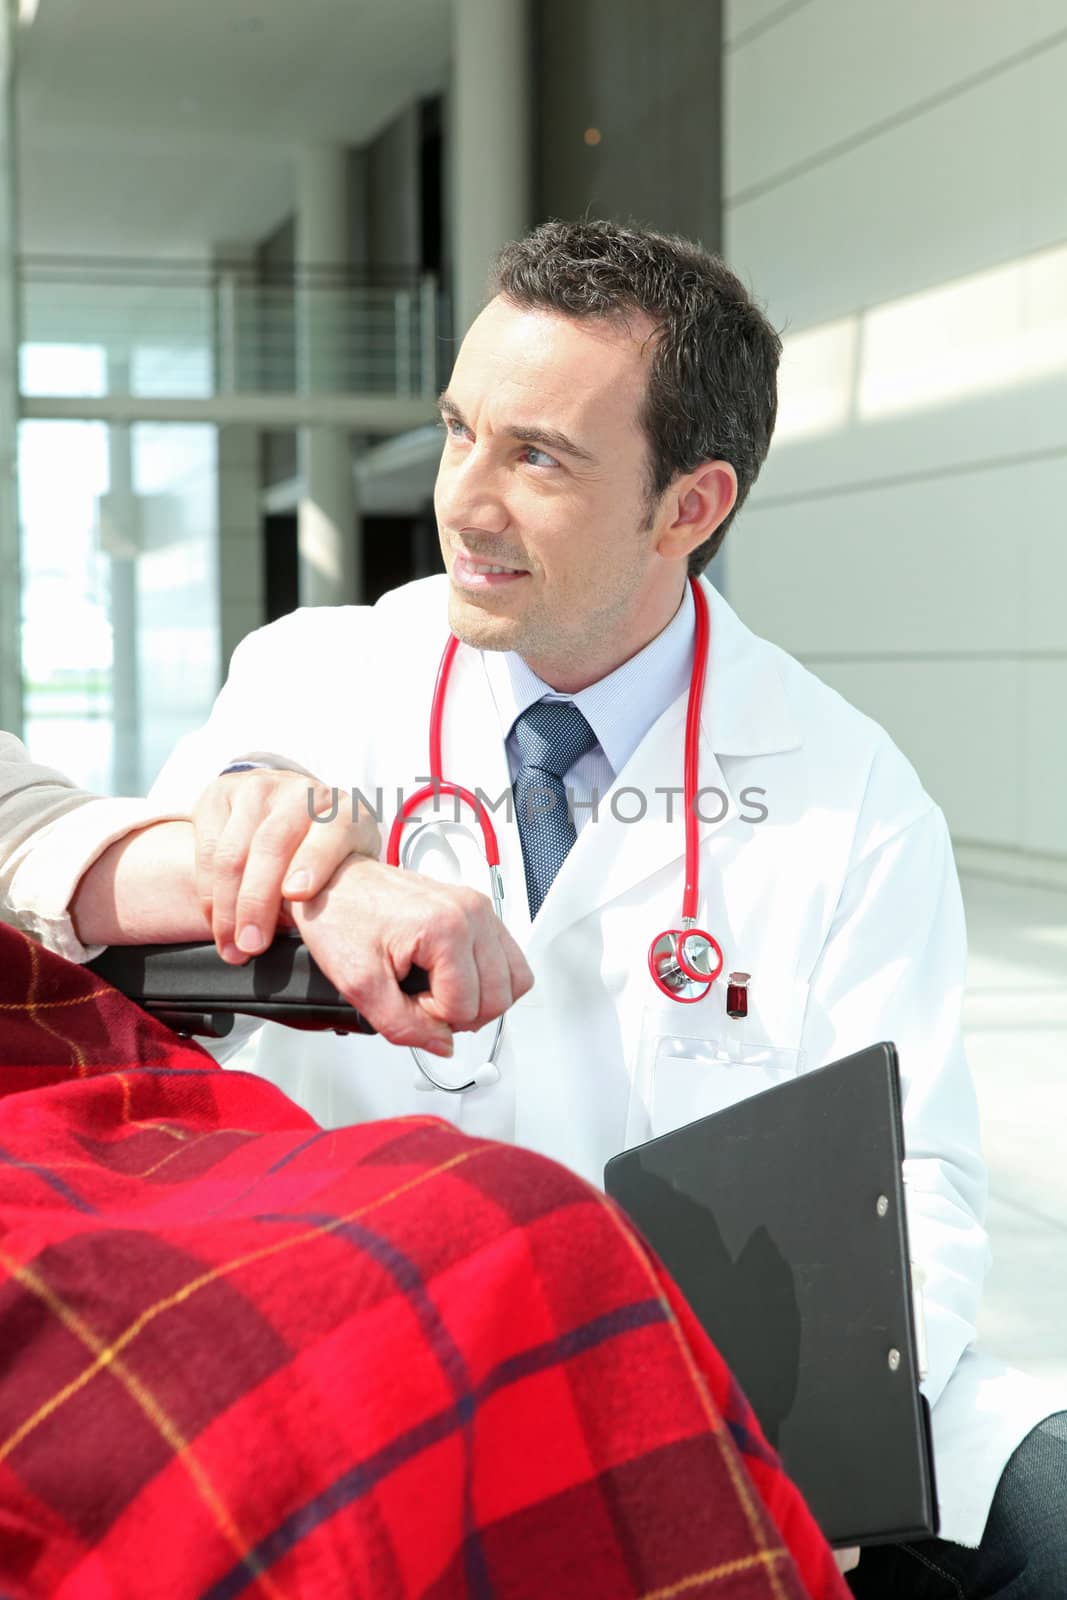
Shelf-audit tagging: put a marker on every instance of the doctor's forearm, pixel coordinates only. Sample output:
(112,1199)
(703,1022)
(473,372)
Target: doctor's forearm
(142,890)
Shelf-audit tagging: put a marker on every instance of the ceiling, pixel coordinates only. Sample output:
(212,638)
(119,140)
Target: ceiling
(170,127)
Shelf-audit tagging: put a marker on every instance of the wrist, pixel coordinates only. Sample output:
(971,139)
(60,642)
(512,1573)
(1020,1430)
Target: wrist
(367,837)
(356,862)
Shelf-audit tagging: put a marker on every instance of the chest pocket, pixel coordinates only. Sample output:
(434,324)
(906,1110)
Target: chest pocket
(694,1060)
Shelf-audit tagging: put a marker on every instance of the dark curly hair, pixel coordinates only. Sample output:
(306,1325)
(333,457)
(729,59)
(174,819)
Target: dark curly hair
(712,391)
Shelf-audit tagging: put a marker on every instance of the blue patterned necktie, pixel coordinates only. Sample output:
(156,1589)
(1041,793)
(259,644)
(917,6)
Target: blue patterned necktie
(552,735)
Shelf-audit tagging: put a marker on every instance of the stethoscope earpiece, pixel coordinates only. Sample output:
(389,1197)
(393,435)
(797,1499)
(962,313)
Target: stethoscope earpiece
(482,1077)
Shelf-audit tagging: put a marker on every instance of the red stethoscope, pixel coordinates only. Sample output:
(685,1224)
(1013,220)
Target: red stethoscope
(683,962)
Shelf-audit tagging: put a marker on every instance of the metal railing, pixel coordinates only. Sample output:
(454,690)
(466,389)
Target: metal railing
(184,330)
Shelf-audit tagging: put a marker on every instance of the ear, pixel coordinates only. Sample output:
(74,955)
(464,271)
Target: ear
(697,503)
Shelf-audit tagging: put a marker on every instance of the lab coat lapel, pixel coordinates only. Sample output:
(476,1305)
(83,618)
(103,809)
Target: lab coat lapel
(613,852)
(744,714)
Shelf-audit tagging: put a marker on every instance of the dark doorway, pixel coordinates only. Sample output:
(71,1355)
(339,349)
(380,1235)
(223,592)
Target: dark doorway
(395,550)
(431,153)
(388,554)
(281,579)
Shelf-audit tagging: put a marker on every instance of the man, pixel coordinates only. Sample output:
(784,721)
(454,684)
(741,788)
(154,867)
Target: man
(607,414)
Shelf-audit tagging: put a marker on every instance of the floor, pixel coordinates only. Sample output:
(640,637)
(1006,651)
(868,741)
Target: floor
(1015,1024)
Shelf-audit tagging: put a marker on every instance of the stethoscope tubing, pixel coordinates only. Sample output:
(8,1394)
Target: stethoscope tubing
(691,894)
(669,962)
(668,956)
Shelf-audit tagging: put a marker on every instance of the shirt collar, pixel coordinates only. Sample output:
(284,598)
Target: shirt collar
(620,708)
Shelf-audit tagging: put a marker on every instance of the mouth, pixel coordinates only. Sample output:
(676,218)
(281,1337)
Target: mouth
(467,573)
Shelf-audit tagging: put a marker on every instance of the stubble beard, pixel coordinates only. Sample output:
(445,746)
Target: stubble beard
(553,652)
(539,638)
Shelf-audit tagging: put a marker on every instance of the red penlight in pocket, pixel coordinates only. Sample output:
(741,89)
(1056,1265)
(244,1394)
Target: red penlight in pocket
(737,994)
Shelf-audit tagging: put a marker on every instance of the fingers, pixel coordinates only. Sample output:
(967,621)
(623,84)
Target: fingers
(257,832)
(228,862)
(287,853)
(475,968)
(522,977)
(403,1019)
(210,816)
(370,979)
(325,845)
(504,973)
(446,946)
(269,858)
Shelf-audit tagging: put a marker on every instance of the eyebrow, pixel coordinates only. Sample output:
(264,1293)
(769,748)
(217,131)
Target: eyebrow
(551,438)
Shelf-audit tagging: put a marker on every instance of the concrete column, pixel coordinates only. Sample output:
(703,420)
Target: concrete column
(241,554)
(490,142)
(10,574)
(328,543)
(121,530)
(239,519)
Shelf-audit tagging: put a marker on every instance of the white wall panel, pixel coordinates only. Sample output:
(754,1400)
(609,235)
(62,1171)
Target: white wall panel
(1024,423)
(827,72)
(1043,775)
(1037,536)
(740,16)
(972,562)
(968,372)
(974,182)
(959,724)
(908,233)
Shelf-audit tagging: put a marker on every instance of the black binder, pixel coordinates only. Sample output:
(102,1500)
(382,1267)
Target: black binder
(782,1221)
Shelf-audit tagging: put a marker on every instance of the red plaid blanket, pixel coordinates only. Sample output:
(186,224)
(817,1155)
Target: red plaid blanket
(240,1355)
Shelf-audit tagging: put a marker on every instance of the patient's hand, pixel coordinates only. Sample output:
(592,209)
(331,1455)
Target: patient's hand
(256,841)
(373,923)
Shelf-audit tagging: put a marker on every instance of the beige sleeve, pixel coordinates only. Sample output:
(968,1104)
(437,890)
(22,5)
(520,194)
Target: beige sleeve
(50,833)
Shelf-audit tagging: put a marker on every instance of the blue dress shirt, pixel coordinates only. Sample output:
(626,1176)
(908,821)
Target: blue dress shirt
(620,708)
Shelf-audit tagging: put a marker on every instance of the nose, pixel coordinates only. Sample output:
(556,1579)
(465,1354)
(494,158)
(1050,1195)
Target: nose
(469,493)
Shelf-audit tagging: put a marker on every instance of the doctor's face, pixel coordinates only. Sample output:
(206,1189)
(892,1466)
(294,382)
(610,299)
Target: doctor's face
(540,496)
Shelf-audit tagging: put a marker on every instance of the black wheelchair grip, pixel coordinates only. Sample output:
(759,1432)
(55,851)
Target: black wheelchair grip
(191,982)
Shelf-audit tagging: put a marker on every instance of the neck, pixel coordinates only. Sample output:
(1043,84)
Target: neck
(581,672)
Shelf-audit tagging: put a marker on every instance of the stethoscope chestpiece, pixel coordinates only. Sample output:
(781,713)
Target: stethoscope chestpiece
(684,963)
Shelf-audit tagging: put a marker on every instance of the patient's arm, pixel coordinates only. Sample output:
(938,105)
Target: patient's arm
(50,834)
(142,890)
(366,924)
(222,874)
(77,870)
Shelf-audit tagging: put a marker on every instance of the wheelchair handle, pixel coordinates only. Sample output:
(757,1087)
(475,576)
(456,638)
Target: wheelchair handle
(191,989)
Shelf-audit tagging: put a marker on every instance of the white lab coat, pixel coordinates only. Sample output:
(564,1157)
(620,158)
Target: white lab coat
(843,904)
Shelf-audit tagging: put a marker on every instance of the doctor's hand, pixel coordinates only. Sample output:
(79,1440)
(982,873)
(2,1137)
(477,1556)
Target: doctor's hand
(373,923)
(263,834)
